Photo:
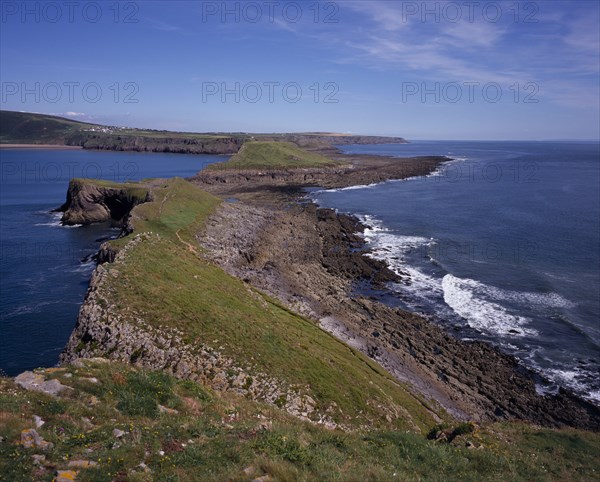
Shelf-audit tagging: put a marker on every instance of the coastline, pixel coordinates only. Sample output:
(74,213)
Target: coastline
(311,260)
(471,380)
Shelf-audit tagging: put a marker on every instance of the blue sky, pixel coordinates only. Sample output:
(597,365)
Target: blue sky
(417,69)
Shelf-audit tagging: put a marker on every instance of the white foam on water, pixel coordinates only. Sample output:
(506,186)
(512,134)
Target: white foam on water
(543,390)
(56,222)
(387,246)
(573,378)
(594,395)
(481,306)
(393,250)
(85,267)
(581,379)
(470,299)
(439,171)
(350,188)
(550,300)
(31,308)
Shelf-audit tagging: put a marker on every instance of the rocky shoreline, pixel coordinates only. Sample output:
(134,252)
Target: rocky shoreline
(313,259)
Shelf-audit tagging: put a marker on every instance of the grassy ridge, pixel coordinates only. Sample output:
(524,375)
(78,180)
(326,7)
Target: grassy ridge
(180,430)
(25,128)
(273,155)
(219,436)
(164,281)
(30,128)
(178,211)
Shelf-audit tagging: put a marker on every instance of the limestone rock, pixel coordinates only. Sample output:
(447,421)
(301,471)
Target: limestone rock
(65,475)
(31,439)
(37,420)
(163,409)
(36,382)
(38,459)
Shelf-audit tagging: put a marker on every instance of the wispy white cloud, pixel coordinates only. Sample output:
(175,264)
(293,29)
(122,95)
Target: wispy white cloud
(472,35)
(563,43)
(427,60)
(583,41)
(389,16)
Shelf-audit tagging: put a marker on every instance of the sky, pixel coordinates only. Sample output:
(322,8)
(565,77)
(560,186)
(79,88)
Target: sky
(471,70)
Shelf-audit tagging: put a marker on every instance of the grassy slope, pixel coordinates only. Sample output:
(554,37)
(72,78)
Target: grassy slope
(216,436)
(134,189)
(169,285)
(222,436)
(273,155)
(26,128)
(30,128)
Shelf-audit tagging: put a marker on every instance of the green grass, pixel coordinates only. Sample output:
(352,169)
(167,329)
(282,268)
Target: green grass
(178,211)
(273,155)
(30,128)
(25,128)
(164,281)
(135,191)
(219,436)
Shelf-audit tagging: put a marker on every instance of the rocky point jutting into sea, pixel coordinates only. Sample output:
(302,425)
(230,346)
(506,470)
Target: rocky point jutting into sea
(311,260)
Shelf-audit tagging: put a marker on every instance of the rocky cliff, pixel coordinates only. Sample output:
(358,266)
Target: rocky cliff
(226,144)
(170,143)
(101,330)
(91,201)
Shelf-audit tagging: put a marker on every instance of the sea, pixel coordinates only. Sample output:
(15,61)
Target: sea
(502,244)
(45,268)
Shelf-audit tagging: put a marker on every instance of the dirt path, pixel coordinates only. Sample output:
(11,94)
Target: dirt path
(191,248)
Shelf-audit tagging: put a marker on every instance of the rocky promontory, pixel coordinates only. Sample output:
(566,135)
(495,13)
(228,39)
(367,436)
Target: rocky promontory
(92,201)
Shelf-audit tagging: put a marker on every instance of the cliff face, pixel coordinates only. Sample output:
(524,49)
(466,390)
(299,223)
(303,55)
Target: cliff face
(91,201)
(329,140)
(102,331)
(368,172)
(30,128)
(174,144)
(217,145)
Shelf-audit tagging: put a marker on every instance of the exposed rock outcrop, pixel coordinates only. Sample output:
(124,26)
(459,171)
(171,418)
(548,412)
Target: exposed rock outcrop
(313,260)
(91,201)
(169,142)
(368,171)
(226,144)
(102,332)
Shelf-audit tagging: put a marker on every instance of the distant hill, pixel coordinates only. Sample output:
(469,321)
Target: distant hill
(29,128)
(273,155)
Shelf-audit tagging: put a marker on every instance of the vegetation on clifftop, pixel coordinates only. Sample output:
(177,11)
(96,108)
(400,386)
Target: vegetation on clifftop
(273,155)
(164,281)
(31,128)
(126,423)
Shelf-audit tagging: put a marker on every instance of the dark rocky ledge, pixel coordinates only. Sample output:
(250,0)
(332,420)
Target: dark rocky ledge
(91,201)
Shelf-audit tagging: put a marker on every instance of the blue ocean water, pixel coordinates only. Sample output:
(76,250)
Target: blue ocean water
(500,244)
(44,267)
